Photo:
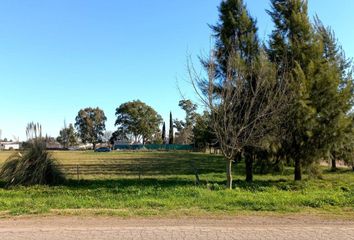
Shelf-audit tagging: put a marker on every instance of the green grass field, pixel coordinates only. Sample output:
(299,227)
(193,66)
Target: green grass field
(163,184)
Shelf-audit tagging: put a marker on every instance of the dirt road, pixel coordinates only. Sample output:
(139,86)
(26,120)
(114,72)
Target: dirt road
(109,228)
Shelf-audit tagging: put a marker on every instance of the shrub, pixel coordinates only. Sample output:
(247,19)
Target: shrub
(34,165)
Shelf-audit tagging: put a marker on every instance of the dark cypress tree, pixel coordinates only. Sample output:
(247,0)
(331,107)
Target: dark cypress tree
(164,133)
(170,132)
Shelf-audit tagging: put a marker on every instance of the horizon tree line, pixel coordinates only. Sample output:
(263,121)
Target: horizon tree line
(136,122)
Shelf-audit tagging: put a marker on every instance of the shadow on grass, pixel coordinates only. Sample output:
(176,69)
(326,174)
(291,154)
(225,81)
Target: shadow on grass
(2,184)
(126,183)
(258,185)
(338,171)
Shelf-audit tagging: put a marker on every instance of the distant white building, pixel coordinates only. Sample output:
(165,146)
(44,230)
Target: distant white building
(9,146)
(84,146)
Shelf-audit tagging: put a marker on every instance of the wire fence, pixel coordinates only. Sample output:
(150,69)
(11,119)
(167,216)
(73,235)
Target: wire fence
(154,147)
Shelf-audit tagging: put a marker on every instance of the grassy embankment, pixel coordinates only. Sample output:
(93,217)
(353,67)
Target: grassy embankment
(109,184)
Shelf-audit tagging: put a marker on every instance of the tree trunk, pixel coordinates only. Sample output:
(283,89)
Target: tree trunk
(249,167)
(276,165)
(229,174)
(334,165)
(298,176)
(94,146)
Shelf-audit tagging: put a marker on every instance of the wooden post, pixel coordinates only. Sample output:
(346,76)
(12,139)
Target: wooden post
(139,173)
(78,172)
(229,174)
(197,181)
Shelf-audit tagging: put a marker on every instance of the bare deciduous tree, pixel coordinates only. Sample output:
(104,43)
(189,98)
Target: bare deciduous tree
(246,106)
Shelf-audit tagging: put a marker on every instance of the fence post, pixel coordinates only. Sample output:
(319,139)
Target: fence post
(78,172)
(197,180)
(139,171)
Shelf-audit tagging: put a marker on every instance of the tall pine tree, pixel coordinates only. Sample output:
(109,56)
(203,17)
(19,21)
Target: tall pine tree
(315,84)
(235,33)
(341,119)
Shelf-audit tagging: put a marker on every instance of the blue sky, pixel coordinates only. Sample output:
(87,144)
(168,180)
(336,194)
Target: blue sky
(59,56)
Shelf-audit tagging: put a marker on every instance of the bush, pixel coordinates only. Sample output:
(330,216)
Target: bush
(314,171)
(34,165)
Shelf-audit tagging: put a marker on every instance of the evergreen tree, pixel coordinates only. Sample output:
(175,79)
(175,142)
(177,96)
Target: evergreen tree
(170,131)
(164,133)
(291,47)
(235,33)
(342,121)
(315,84)
(67,136)
(291,42)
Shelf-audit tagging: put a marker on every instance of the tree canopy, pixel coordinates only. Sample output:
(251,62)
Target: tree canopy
(184,134)
(138,119)
(67,136)
(320,98)
(90,124)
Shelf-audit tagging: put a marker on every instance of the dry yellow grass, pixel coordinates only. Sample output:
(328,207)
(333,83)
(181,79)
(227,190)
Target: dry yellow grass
(89,164)
(4,155)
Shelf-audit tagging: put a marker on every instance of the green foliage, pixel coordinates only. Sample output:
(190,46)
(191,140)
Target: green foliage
(235,33)
(170,131)
(90,124)
(292,39)
(341,131)
(343,148)
(163,135)
(203,134)
(190,109)
(184,134)
(138,119)
(321,86)
(156,138)
(67,137)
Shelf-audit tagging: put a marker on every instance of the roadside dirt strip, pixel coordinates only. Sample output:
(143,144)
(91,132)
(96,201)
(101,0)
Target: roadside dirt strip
(238,227)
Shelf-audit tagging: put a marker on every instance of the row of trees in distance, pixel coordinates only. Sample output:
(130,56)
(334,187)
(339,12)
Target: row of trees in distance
(136,123)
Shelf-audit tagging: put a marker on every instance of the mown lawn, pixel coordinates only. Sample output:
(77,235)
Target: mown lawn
(109,184)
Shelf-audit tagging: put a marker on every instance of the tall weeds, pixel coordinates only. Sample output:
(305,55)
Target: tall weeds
(34,165)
